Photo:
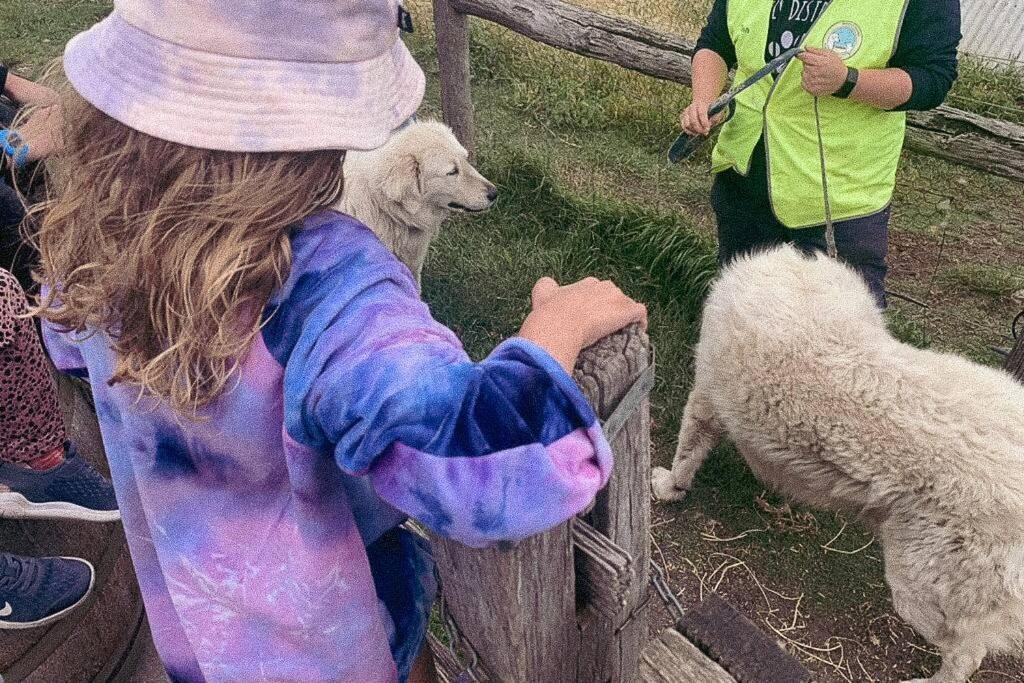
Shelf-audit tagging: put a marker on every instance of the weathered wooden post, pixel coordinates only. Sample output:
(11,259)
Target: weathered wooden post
(563,606)
(452,32)
(608,374)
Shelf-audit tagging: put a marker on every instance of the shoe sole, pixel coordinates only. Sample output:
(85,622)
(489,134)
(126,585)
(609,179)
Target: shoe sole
(20,625)
(16,506)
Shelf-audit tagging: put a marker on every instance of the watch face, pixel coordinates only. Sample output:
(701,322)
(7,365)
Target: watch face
(844,39)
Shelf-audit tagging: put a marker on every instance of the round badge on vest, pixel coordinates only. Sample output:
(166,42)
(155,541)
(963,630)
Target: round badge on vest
(844,39)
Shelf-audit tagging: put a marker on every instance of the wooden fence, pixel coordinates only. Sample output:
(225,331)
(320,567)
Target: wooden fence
(948,133)
(569,604)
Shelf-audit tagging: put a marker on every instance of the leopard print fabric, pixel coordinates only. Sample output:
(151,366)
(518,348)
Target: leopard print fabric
(31,426)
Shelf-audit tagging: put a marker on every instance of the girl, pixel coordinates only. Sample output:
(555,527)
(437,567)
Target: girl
(274,397)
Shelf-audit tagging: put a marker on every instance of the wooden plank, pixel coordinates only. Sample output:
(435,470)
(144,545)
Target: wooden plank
(962,137)
(958,136)
(604,572)
(622,511)
(144,665)
(452,32)
(671,658)
(729,637)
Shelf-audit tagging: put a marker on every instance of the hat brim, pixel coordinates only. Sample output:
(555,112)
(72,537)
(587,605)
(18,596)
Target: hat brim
(212,101)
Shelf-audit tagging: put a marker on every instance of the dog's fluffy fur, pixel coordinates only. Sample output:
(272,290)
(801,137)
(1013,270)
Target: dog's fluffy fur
(796,366)
(405,189)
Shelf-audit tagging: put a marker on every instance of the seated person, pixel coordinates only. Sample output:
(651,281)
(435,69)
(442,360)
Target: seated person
(34,139)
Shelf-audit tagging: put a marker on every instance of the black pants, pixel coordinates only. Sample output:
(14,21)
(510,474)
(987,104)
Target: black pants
(15,255)
(746,224)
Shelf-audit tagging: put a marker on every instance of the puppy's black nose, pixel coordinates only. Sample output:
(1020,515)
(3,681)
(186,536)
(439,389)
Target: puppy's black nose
(492,194)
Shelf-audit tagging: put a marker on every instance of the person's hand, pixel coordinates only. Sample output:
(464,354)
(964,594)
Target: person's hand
(824,71)
(567,319)
(695,121)
(42,132)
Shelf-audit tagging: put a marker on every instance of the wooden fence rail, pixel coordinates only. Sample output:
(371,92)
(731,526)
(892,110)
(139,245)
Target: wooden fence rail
(958,136)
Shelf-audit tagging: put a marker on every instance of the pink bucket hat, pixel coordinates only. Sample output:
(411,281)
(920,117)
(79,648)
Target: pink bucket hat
(256,76)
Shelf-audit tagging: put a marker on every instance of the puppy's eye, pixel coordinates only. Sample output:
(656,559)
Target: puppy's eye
(454,171)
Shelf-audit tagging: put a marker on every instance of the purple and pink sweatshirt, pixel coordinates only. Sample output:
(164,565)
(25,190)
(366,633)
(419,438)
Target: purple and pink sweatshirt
(266,536)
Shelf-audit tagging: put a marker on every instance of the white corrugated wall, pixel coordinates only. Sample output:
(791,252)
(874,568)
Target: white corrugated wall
(993,28)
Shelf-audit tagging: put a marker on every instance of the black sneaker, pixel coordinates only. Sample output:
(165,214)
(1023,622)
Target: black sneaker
(38,591)
(71,490)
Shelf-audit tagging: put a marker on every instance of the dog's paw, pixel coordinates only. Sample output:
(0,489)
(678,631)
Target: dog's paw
(663,485)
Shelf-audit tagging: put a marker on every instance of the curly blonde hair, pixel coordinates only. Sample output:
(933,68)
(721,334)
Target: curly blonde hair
(172,251)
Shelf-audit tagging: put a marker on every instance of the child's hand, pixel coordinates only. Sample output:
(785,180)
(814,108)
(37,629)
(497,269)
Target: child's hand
(566,320)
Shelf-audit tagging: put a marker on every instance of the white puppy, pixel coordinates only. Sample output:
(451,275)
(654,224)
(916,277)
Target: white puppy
(405,189)
(796,366)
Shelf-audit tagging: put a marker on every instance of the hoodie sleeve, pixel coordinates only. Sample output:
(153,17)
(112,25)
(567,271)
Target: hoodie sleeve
(63,351)
(478,452)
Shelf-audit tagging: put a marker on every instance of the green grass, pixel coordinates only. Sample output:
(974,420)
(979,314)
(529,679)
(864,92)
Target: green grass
(992,90)
(33,32)
(908,331)
(986,280)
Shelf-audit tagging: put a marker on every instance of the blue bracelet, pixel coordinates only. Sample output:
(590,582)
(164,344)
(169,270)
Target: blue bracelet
(14,146)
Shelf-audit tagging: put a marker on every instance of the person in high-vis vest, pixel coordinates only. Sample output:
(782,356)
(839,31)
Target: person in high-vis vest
(821,140)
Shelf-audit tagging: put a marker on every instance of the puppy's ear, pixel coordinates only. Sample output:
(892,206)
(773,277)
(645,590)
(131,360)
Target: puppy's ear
(403,181)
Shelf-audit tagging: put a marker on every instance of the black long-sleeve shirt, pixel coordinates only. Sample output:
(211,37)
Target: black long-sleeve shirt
(926,50)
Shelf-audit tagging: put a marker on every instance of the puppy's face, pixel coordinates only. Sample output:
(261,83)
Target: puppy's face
(450,181)
(431,177)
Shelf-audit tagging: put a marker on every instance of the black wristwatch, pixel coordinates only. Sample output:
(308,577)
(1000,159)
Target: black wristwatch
(848,86)
(3,79)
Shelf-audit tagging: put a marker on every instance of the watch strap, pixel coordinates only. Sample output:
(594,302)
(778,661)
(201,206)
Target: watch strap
(848,86)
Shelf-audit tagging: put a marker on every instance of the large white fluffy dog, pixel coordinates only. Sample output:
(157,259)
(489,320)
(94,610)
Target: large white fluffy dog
(405,189)
(796,366)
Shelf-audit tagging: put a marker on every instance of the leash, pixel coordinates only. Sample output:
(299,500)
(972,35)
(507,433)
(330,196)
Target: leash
(685,145)
(627,407)
(830,231)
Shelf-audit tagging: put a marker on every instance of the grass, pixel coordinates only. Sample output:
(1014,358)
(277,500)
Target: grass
(986,280)
(32,32)
(992,90)
(577,149)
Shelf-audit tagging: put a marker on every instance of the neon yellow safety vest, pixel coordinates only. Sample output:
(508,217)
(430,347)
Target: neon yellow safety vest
(862,144)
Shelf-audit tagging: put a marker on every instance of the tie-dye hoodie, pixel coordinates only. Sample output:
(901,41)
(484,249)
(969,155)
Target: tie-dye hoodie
(265,537)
